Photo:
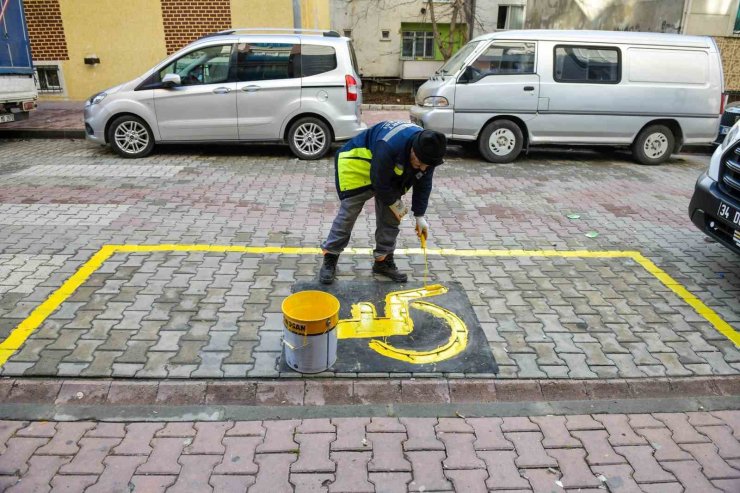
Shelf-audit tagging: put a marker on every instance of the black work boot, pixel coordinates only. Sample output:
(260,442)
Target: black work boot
(328,269)
(388,269)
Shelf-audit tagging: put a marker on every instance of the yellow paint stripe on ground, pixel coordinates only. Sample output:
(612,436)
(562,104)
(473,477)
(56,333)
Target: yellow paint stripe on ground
(710,315)
(18,336)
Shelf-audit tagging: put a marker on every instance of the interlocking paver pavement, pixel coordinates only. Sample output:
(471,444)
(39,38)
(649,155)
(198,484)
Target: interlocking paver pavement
(409,454)
(211,315)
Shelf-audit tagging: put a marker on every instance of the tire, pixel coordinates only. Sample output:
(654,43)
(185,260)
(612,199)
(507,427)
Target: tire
(309,138)
(130,137)
(654,145)
(501,141)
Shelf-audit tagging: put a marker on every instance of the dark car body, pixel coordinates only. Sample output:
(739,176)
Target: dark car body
(715,205)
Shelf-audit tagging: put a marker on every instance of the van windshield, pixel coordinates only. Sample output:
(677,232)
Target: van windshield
(457,61)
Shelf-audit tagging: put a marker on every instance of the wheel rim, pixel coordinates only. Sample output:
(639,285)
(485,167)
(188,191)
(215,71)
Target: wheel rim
(309,138)
(502,141)
(131,137)
(656,145)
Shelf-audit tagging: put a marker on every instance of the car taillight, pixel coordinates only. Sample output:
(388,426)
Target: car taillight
(723,103)
(351,85)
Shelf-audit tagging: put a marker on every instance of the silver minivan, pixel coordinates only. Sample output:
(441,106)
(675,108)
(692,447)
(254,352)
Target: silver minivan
(240,85)
(511,90)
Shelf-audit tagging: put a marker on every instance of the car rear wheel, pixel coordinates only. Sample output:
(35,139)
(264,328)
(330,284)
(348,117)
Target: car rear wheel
(501,141)
(309,138)
(130,137)
(654,145)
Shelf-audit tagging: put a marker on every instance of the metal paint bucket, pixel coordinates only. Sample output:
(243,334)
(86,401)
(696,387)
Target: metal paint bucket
(309,336)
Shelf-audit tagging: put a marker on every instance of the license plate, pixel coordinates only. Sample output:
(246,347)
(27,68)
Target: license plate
(8,117)
(729,213)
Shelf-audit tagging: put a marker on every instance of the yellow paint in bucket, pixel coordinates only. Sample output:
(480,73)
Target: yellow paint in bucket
(309,320)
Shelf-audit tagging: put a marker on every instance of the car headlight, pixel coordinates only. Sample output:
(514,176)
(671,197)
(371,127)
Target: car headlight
(436,102)
(97,98)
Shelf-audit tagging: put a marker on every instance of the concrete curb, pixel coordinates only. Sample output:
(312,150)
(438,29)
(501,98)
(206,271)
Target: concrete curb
(228,412)
(42,133)
(320,392)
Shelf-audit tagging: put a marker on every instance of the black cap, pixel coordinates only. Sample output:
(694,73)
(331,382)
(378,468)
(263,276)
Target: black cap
(430,147)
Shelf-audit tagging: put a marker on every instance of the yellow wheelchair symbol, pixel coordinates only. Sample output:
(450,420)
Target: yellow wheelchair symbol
(365,323)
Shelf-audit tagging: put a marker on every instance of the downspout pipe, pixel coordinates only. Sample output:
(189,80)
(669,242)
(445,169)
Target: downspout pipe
(297,24)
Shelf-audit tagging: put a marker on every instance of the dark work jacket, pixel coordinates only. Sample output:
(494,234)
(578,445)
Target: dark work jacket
(378,159)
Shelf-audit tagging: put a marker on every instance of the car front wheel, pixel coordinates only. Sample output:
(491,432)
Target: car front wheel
(130,137)
(309,138)
(501,141)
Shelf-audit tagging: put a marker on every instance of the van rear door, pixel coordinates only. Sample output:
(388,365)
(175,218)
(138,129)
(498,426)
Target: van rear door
(502,80)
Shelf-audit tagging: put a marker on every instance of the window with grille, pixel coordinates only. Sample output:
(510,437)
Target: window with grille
(47,79)
(417,44)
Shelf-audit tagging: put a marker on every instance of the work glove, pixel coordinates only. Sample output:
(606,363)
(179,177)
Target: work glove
(422,227)
(399,209)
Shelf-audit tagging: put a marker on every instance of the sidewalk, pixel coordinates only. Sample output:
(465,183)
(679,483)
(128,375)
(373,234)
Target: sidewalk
(661,452)
(64,119)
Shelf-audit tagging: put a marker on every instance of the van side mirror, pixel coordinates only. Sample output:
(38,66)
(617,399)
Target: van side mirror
(171,80)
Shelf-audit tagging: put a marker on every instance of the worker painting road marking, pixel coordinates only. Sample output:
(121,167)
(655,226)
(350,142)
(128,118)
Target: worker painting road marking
(19,335)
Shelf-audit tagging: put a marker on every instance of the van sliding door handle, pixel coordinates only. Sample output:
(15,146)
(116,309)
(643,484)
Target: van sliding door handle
(221,90)
(251,88)
(529,88)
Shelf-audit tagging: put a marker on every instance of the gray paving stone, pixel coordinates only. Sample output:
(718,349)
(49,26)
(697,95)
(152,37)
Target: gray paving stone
(717,363)
(126,370)
(219,341)
(599,310)
(594,354)
(265,365)
(210,366)
(673,366)
(577,367)
(527,365)
(169,340)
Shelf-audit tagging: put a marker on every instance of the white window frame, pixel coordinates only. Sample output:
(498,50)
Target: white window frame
(414,56)
(507,24)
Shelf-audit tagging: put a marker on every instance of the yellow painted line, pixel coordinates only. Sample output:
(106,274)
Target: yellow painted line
(710,315)
(19,335)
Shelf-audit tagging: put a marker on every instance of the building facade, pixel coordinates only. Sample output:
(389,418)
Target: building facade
(81,47)
(717,18)
(394,41)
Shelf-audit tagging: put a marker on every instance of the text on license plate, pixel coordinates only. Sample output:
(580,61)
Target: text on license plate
(729,213)
(9,117)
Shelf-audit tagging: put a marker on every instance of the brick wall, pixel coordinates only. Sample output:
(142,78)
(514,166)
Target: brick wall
(729,48)
(45,29)
(188,20)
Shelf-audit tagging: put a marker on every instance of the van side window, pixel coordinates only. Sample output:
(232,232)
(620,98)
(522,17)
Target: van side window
(317,59)
(504,59)
(267,61)
(208,65)
(596,65)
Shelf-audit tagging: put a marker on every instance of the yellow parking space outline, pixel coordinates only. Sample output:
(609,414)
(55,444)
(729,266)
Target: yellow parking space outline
(19,335)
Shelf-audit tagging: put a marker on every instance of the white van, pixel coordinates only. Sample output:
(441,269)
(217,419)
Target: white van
(510,90)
